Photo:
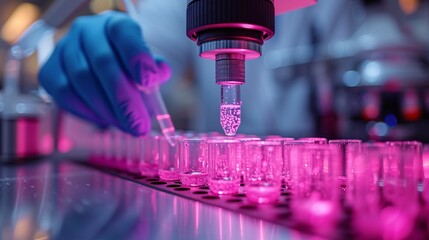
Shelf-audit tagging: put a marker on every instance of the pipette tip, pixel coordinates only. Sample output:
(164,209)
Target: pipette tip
(167,127)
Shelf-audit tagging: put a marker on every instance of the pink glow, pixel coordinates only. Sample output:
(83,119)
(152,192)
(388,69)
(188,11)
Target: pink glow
(241,226)
(268,32)
(396,224)
(263,194)
(319,215)
(230,118)
(426,164)
(168,130)
(220,223)
(197,217)
(163,116)
(250,54)
(282,6)
(321,208)
(65,145)
(26,130)
(175,212)
(47,144)
(193,179)
(221,186)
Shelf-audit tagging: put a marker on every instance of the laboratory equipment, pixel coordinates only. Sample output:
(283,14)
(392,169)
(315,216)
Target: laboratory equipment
(243,140)
(411,162)
(152,95)
(193,161)
(132,155)
(344,146)
(290,160)
(149,155)
(169,159)
(315,170)
(224,166)
(262,179)
(296,182)
(230,32)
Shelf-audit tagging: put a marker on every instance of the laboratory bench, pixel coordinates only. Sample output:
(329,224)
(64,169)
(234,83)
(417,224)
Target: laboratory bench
(61,198)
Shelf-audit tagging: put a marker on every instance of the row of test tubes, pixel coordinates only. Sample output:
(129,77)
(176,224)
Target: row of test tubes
(381,183)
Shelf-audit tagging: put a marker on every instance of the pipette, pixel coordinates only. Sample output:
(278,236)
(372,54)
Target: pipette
(230,108)
(230,75)
(152,95)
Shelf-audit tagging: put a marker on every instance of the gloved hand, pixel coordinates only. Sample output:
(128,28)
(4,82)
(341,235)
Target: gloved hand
(96,68)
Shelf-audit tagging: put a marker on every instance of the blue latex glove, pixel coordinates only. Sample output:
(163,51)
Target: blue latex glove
(96,68)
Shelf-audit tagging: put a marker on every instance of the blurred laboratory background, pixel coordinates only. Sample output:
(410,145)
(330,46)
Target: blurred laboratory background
(372,85)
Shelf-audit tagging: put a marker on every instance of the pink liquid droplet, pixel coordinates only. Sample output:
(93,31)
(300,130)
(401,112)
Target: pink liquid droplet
(230,118)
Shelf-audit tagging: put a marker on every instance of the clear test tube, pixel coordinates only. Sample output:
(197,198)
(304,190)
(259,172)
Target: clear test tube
(133,155)
(263,171)
(149,156)
(315,202)
(193,161)
(411,161)
(243,139)
(385,199)
(290,162)
(364,174)
(344,156)
(223,166)
(282,140)
(169,158)
(403,177)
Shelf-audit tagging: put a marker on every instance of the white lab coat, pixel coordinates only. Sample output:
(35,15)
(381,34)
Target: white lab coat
(276,100)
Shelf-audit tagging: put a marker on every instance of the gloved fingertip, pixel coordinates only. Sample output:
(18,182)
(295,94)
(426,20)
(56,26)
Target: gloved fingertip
(135,119)
(148,76)
(139,128)
(164,70)
(144,71)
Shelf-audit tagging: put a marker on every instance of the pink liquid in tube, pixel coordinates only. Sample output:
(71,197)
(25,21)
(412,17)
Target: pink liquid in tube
(224,186)
(193,179)
(168,175)
(230,118)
